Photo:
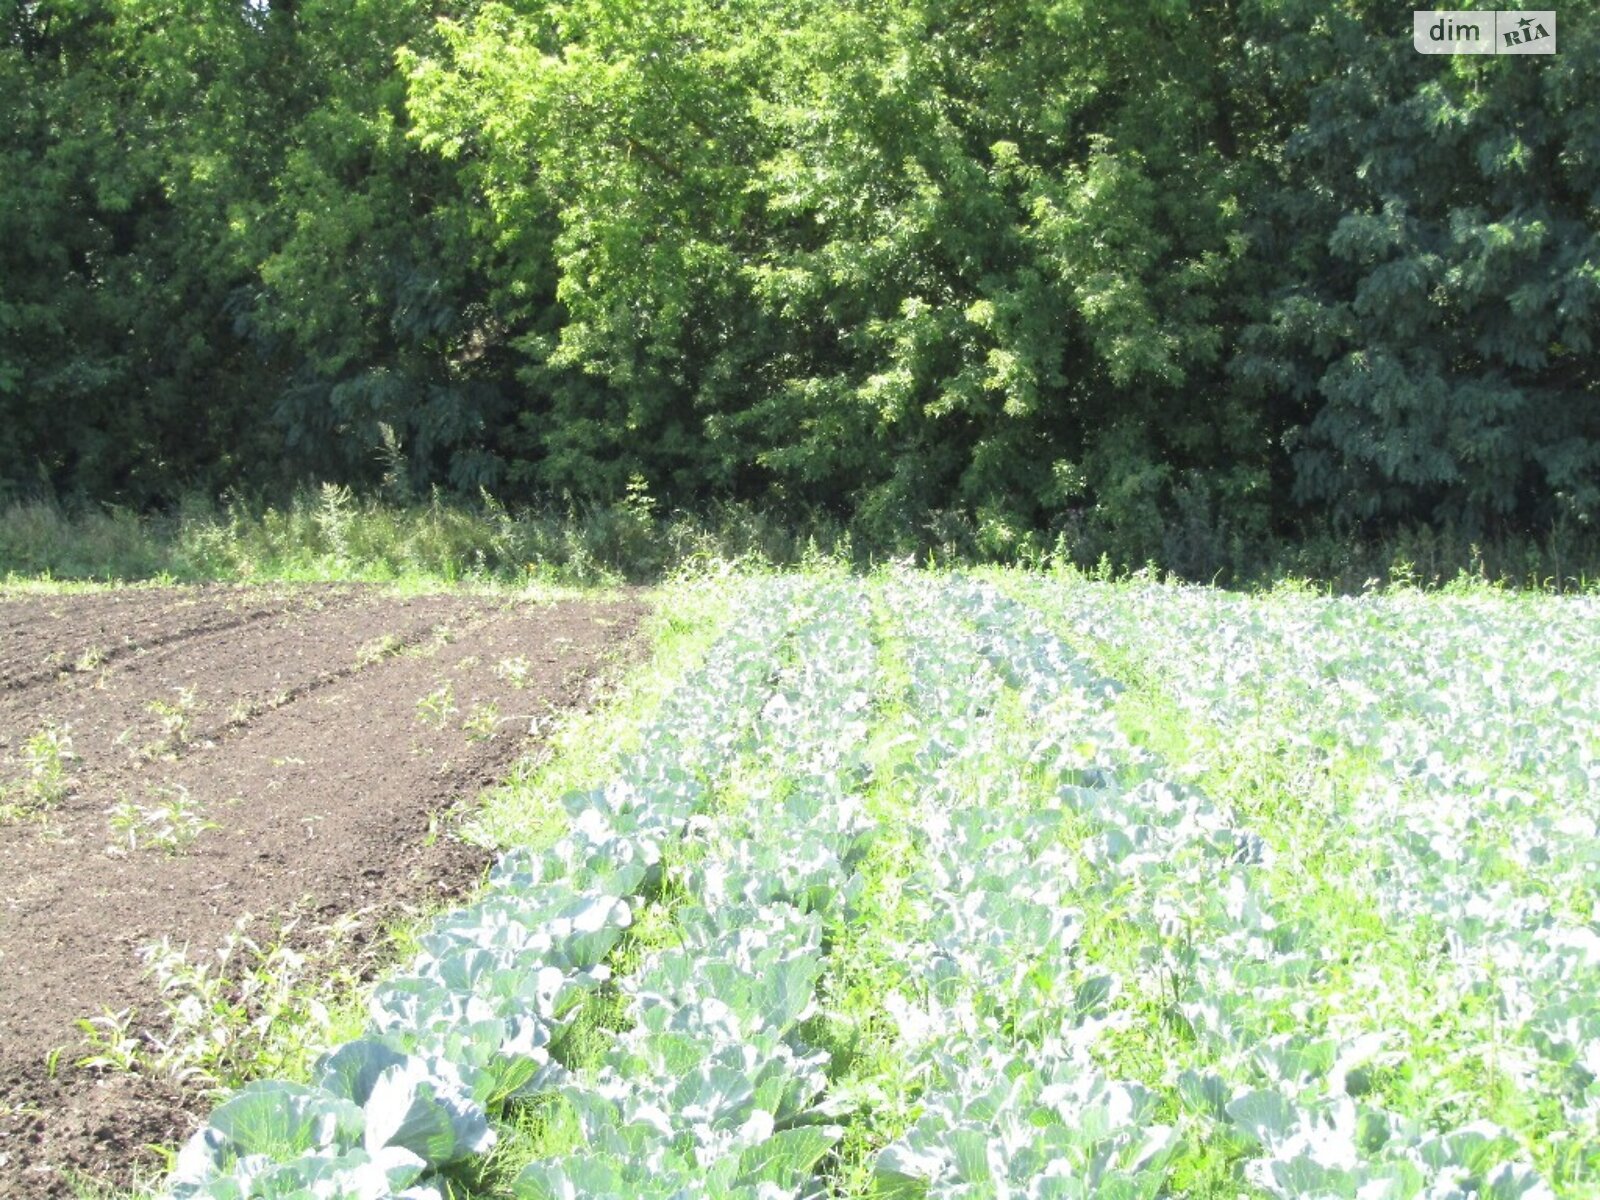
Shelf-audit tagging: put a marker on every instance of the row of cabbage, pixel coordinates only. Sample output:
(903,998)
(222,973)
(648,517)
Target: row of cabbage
(1021,1006)
(997,1006)
(712,1090)
(474,1021)
(709,1089)
(1019,1017)
(1460,734)
(1067,898)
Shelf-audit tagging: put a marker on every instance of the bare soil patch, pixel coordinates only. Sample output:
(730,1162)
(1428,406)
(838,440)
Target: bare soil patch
(320,733)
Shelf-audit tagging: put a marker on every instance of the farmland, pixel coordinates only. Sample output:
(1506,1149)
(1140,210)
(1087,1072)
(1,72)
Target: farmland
(943,887)
(257,768)
(1013,885)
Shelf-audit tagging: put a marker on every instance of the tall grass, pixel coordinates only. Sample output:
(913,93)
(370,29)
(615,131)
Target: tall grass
(332,533)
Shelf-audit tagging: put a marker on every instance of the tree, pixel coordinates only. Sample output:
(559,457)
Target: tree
(1434,312)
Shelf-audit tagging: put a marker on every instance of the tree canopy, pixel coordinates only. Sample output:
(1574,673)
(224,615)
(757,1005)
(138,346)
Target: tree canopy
(1103,269)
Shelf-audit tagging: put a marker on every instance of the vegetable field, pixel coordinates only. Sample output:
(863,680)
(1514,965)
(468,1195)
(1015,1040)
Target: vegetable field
(212,803)
(1017,887)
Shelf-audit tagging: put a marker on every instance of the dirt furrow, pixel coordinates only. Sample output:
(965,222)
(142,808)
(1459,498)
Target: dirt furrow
(52,643)
(325,802)
(163,703)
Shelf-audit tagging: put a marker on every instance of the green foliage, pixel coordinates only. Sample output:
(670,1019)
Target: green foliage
(224,262)
(859,256)
(1160,280)
(1435,306)
(922,885)
(43,780)
(332,535)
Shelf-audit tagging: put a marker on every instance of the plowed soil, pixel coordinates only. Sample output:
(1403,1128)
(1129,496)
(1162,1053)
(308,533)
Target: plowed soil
(320,735)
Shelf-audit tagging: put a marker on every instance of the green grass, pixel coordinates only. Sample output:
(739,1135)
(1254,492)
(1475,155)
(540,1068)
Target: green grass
(333,534)
(860,968)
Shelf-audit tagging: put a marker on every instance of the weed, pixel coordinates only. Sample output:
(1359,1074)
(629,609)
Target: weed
(176,717)
(514,670)
(481,721)
(111,1041)
(377,650)
(44,782)
(89,660)
(45,756)
(251,1011)
(172,824)
(255,1010)
(438,706)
